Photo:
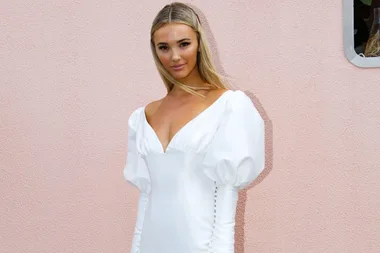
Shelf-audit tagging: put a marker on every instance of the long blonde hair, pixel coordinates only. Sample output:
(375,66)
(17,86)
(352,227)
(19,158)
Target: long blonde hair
(177,12)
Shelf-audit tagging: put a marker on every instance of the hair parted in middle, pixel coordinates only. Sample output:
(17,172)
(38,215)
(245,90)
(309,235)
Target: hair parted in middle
(177,12)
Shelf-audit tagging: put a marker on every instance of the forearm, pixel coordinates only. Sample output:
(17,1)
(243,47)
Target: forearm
(143,202)
(224,230)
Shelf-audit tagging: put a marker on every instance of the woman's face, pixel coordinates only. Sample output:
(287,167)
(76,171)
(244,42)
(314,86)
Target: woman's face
(176,46)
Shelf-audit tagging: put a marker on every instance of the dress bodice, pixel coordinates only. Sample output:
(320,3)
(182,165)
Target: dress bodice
(189,192)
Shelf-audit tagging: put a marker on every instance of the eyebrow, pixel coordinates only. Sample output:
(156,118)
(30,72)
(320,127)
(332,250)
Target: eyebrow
(179,41)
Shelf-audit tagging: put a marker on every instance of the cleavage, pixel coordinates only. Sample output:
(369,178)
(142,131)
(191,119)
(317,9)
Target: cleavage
(170,118)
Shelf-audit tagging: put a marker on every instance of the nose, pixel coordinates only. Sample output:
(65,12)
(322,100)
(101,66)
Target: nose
(175,56)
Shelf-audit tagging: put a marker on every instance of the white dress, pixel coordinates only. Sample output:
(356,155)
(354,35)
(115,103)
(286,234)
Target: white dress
(189,192)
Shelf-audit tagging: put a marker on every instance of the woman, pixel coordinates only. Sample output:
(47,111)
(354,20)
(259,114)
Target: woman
(190,152)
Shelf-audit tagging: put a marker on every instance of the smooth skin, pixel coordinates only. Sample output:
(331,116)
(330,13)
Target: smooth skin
(177,44)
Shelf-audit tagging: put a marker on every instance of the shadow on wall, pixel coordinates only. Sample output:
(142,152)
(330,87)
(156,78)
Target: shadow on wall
(240,211)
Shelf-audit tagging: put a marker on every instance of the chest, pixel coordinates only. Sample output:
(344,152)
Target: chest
(184,128)
(170,118)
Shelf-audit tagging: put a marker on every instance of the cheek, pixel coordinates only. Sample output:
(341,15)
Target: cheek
(164,58)
(190,56)
(191,53)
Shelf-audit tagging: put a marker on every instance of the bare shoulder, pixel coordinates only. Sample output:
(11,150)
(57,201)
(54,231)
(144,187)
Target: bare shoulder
(152,107)
(215,94)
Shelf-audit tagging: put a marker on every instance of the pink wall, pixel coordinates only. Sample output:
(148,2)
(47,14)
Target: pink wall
(71,73)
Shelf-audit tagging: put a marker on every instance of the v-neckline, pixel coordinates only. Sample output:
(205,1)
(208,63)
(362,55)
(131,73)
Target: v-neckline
(164,151)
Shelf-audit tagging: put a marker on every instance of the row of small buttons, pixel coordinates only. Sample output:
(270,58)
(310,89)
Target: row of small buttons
(213,225)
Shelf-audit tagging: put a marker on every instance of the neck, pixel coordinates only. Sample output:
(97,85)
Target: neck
(201,86)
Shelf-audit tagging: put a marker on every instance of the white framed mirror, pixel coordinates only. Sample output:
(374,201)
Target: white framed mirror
(361,32)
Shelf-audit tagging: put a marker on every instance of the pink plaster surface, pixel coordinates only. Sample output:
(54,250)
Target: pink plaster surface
(71,72)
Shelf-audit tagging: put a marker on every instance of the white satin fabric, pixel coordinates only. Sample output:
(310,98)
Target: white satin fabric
(188,193)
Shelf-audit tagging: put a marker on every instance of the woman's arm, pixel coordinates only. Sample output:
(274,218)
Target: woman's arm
(143,202)
(223,238)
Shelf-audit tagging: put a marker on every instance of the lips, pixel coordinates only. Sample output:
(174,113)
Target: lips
(178,66)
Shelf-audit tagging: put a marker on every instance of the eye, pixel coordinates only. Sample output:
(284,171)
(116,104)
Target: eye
(185,44)
(163,48)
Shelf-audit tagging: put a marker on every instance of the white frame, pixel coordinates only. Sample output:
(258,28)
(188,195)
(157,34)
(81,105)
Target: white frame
(348,39)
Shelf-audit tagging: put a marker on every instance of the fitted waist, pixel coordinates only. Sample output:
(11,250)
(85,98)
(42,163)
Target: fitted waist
(168,172)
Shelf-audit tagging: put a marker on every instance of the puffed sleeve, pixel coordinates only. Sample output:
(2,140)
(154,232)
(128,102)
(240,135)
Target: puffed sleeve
(236,155)
(135,170)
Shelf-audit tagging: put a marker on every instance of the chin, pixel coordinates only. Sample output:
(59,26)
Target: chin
(179,76)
